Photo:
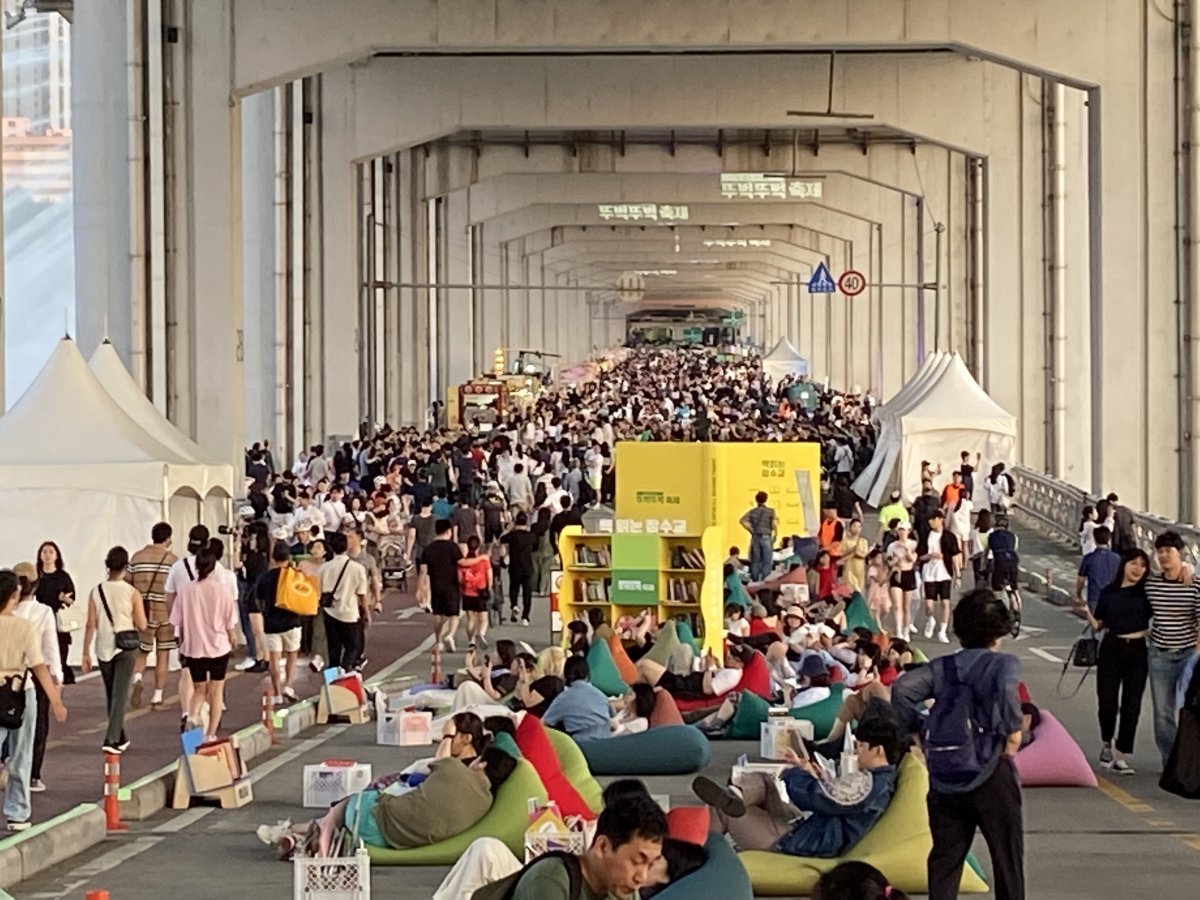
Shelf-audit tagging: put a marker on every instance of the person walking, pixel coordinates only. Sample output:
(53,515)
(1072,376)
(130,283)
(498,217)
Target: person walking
(853,557)
(56,589)
(206,616)
(1122,612)
(763,525)
(439,577)
(148,571)
(115,611)
(277,629)
(477,583)
(974,787)
(20,657)
(1097,569)
(344,582)
(518,543)
(543,552)
(1174,633)
(39,615)
(1123,537)
(939,572)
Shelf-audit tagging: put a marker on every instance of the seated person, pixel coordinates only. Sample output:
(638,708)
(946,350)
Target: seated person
(712,681)
(734,589)
(856,881)
(1031,717)
(734,561)
(535,689)
(453,798)
(627,847)
(581,710)
(813,681)
(495,676)
(833,813)
(736,624)
(577,640)
(464,737)
(632,712)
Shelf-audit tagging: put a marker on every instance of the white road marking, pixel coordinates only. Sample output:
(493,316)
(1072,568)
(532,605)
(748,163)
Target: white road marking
(1046,655)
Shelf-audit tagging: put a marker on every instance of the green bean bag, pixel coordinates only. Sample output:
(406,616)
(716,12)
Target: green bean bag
(668,750)
(603,672)
(683,631)
(723,876)
(504,741)
(737,592)
(665,643)
(823,713)
(751,712)
(506,820)
(858,615)
(918,655)
(898,845)
(575,768)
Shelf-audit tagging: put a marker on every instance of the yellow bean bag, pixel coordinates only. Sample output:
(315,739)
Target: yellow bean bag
(506,820)
(574,766)
(898,845)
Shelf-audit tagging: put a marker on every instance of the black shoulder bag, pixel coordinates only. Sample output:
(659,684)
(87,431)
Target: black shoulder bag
(328,598)
(12,700)
(1084,654)
(124,640)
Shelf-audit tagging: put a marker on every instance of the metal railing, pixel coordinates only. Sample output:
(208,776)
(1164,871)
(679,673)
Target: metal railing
(1058,507)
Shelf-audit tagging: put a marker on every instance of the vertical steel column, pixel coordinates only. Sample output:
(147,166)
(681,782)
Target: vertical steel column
(920,279)
(140,320)
(1096,284)
(1187,212)
(156,376)
(286,361)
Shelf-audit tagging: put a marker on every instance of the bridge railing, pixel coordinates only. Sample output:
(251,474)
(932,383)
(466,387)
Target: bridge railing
(1058,507)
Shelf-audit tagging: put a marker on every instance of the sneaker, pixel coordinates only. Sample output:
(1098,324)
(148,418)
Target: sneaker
(449,642)
(514,617)
(135,696)
(1106,756)
(718,797)
(156,699)
(248,663)
(259,667)
(124,745)
(482,641)
(525,622)
(1121,767)
(361,664)
(114,749)
(183,723)
(317,664)
(913,630)
(943,638)
(18,826)
(289,693)
(273,834)
(930,624)
(36,786)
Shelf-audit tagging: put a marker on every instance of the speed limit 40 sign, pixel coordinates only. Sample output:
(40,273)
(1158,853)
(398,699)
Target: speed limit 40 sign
(852,283)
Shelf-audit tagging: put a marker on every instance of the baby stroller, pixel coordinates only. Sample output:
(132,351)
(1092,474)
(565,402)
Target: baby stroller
(387,536)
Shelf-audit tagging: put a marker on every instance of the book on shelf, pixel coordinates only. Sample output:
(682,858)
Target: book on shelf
(687,558)
(592,557)
(593,590)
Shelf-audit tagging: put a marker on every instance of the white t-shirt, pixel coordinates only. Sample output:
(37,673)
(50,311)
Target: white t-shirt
(934,568)
(42,620)
(332,511)
(554,501)
(810,695)
(725,680)
(179,575)
(843,459)
(352,586)
(119,595)
(896,550)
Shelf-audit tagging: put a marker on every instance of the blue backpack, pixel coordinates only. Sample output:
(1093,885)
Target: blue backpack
(960,741)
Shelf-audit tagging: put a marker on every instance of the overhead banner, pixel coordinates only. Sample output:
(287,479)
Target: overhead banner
(761,186)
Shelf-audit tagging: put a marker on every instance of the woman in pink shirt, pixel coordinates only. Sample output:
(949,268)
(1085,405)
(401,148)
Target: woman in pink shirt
(205,617)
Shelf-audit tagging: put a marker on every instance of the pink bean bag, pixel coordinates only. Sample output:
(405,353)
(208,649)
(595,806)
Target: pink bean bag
(1053,759)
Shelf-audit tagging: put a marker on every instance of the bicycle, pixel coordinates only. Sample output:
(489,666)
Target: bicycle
(1006,580)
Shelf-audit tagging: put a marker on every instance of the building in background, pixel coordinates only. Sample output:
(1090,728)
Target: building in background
(37,72)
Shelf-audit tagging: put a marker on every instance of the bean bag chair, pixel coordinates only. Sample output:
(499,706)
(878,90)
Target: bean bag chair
(505,742)
(918,655)
(1054,759)
(603,672)
(722,876)
(683,631)
(898,845)
(737,592)
(858,615)
(506,821)
(689,823)
(536,747)
(755,678)
(822,714)
(575,769)
(665,642)
(625,666)
(669,750)
(665,711)
(745,725)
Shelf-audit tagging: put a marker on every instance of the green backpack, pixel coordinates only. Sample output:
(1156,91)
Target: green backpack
(506,887)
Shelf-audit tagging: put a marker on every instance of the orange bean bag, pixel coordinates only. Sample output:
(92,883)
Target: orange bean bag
(624,664)
(665,712)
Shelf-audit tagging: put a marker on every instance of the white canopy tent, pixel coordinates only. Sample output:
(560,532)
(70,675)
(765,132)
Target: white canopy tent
(784,360)
(943,413)
(77,469)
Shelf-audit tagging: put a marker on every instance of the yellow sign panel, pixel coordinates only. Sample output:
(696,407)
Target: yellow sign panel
(671,487)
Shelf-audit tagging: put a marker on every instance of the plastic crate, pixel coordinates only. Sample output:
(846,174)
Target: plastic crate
(540,842)
(332,878)
(325,785)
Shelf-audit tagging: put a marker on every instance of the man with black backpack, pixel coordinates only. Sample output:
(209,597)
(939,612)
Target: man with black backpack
(969,739)
(628,841)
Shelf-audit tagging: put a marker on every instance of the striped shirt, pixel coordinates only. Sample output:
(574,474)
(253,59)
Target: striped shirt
(1176,610)
(761,520)
(148,569)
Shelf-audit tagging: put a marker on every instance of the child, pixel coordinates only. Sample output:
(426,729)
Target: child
(879,599)
(735,621)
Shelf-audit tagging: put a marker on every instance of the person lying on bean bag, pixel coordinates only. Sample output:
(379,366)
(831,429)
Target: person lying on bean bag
(713,681)
(836,813)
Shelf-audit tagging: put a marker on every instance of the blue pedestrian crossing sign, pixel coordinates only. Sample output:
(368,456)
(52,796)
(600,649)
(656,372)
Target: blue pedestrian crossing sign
(821,282)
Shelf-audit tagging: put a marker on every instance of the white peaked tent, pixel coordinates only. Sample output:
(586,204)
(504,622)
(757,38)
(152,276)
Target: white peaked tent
(784,360)
(77,469)
(938,414)
(187,506)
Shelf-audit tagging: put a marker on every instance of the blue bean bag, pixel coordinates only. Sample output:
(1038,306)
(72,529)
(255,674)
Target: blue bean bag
(668,750)
(722,876)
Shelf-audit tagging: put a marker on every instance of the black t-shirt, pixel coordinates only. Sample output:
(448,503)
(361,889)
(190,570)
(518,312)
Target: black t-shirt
(547,687)
(441,561)
(284,495)
(520,549)
(1124,610)
(422,494)
(275,620)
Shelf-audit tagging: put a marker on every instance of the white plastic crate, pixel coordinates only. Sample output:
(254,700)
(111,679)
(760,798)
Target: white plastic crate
(332,878)
(404,729)
(325,785)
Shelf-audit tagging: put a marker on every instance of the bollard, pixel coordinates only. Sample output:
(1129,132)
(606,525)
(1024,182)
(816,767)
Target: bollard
(268,715)
(96,895)
(435,665)
(112,787)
